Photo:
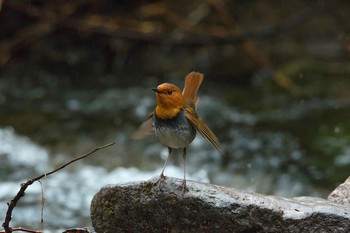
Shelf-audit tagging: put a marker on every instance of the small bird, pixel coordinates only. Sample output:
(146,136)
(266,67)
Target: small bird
(175,121)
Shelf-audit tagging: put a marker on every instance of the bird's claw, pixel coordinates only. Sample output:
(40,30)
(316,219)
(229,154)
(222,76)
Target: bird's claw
(159,181)
(183,187)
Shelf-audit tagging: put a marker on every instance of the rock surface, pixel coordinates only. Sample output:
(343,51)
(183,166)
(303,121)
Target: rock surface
(341,194)
(142,207)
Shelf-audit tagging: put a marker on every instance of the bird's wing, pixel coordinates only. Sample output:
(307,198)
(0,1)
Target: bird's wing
(145,129)
(203,129)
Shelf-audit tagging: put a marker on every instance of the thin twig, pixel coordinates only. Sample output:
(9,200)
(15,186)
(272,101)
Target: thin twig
(26,230)
(43,189)
(21,192)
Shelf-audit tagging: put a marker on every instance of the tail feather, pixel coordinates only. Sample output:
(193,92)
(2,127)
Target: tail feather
(192,82)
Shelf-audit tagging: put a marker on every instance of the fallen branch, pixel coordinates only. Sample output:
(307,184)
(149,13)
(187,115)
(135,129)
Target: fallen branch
(24,186)
(24,230)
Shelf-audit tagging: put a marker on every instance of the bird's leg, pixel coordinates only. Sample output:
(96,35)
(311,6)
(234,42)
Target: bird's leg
(162,177)
(184,189)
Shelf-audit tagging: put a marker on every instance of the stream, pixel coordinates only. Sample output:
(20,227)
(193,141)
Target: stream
(277,145)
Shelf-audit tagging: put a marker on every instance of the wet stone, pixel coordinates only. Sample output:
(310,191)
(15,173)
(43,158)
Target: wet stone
(142,207)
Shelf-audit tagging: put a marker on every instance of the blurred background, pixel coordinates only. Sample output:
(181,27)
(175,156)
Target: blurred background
(76,75)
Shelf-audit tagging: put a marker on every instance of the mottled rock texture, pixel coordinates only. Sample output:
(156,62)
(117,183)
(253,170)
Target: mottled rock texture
(142,207)
(341,194)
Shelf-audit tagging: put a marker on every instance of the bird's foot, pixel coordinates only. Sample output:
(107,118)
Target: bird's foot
(183,187)
(159,181)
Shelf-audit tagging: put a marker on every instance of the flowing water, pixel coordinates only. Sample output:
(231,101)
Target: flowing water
(278,143)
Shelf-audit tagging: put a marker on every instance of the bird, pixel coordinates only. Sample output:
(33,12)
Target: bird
(175,122)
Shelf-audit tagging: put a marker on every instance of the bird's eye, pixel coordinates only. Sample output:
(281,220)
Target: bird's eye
(170,91)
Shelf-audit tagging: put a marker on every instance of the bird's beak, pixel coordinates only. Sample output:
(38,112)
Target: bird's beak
(156,90)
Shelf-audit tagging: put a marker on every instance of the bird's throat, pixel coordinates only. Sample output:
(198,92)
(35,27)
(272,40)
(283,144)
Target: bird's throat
(166,113)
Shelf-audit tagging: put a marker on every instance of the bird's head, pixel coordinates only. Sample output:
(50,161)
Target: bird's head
(169,100)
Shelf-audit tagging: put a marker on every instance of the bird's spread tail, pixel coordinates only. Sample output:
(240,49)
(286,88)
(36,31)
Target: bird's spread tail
(192,82)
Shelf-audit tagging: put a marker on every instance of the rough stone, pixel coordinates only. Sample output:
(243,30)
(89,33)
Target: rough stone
(341,194)
(142,207)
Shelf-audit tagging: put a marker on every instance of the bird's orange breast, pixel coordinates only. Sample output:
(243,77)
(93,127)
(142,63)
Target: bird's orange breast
(166,113)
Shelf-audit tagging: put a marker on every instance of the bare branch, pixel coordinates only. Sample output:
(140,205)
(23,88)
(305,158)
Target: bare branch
(24,186)
(23,229)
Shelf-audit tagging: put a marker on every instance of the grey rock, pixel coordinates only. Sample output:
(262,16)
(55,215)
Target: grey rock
(341,194)
(142,207)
